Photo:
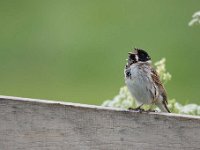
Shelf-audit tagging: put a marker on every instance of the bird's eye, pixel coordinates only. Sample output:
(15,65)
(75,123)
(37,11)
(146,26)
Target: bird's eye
(132,57)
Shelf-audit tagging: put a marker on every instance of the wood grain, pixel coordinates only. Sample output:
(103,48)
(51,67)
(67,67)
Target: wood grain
(28,124)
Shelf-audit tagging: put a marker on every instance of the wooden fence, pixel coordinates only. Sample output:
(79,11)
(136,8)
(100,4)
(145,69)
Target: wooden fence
(29,124)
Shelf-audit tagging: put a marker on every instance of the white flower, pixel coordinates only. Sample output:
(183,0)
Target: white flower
(161,70)
(189,109)
(195,18)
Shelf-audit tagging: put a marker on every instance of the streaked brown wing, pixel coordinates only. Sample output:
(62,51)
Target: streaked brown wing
(156,79)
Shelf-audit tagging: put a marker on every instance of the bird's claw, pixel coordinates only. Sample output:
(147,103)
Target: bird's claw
(137,109)
(150,110)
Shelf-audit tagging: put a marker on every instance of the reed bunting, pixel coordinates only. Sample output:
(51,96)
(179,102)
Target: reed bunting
(143,81)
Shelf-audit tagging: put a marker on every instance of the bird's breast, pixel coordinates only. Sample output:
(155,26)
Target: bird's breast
(139,84)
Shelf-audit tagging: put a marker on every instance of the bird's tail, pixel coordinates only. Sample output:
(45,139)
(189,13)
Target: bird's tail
(163,107)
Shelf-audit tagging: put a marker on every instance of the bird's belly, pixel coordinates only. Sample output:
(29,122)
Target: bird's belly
(140,90)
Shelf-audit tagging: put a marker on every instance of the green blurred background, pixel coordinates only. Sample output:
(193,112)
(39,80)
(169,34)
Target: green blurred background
(75,50)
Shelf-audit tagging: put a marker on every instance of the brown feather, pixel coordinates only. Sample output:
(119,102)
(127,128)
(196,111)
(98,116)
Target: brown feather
(157,81)
(162,90)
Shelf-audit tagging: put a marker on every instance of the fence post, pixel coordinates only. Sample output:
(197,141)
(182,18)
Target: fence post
(29,124)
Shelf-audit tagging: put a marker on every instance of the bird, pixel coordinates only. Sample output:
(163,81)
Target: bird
(143,81)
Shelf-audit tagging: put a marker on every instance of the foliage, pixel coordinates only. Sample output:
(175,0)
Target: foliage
(125,100)
(195,19)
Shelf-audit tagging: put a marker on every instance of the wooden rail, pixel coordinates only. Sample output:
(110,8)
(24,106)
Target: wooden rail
(28,124)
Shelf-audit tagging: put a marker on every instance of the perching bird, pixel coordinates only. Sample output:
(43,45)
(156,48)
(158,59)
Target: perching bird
(143,81)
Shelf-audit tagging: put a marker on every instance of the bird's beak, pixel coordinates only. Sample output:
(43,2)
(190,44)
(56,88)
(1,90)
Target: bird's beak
(130,53)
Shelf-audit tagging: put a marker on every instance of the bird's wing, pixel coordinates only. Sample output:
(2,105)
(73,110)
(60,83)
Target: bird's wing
(162,90)
(157,81)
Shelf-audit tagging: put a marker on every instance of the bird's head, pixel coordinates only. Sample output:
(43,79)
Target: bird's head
(138,55)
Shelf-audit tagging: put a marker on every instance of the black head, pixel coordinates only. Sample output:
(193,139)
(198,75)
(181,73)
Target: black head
(132,58)
(137,55)
(142,55)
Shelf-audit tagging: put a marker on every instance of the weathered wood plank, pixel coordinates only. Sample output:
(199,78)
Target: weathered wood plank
(28,124)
